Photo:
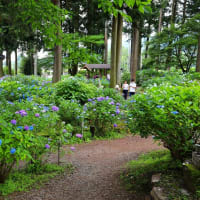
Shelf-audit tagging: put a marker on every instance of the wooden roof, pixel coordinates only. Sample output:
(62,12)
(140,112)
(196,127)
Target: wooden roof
(96,66)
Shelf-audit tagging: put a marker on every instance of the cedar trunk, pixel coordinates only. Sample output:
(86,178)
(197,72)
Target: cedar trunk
(113,52)
(106,43)
(160,20)
(1,66)
(134,55)
(57,55)
(119,48)
(198,57)
(16,62)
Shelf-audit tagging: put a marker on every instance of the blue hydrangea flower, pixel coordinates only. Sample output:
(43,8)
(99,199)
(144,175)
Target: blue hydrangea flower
(31,128)
(0,142)
(175,112)
(13,150)
(160,106)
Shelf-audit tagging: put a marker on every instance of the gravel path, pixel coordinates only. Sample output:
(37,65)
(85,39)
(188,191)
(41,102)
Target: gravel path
(97,170)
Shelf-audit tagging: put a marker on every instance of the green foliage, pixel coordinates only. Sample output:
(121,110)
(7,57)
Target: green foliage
(137,177)
(111,93)
(102,113)
(74,89)
(171,114)
(23,180)
(71,113)
(126,76)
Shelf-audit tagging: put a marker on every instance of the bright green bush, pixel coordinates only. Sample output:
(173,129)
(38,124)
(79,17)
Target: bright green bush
(74,89)
(102,113)
(171,114)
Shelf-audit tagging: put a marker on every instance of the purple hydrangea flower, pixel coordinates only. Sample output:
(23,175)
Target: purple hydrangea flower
(72,148)
(22,113)
(107,98)
(64,131)
(94,109)
(115,125)
(89,100)
(113,115)
(37,115)
(13,150)
(47,146)
(112,103)
(117,111)
(55,108)
(78,135)
(26,128)
(118,104)
(13,121)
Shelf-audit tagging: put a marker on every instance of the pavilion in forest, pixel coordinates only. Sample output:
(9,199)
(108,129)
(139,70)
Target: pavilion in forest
(97,69)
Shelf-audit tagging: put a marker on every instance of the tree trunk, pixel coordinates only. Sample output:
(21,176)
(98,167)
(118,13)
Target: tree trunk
(184,11)
(160,20)
(1,66)
(113,52)
(16,62)
(198,57)
(174,9)
(35,62)
(139,52)
(147,48)
(57,55)
(119,48)
(135,45)
(9,63)
(106,43)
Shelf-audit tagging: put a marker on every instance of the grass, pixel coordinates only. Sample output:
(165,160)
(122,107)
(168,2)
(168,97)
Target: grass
(23,180)
(138,175)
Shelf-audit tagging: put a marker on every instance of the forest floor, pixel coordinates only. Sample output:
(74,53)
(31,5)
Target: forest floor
(97,172)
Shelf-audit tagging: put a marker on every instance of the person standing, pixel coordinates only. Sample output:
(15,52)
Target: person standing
(132,87)
(125,87)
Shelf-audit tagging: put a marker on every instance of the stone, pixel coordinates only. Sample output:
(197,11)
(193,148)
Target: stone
(155,178)
(196,159)
(157,194)
(184,192)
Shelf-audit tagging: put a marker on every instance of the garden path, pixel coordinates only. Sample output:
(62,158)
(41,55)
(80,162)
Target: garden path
(97,172)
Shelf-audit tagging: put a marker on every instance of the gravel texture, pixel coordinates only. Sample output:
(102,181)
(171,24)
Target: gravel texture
(97,172)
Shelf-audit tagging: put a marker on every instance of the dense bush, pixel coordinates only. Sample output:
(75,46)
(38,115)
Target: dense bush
(171,114)
(75,89)
(102,113)
(111,93)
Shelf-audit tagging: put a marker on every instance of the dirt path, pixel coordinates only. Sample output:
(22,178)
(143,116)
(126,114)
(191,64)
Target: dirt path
(96,177)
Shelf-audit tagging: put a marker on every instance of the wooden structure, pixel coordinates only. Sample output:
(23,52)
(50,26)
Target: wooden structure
(97,69)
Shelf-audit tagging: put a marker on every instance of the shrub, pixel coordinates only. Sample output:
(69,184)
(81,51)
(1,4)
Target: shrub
(102,113)
(111,93)
(20,133)
(71,113)
(74,89)
(171,114)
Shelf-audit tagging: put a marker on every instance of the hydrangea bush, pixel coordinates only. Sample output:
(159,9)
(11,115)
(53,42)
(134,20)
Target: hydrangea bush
(169,113)
(102,113)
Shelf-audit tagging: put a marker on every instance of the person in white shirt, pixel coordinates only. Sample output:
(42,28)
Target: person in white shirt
(132,87)
(125,87)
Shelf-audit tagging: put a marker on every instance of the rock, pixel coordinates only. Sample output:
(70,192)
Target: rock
(155,178)
(196,159)
(184,192)
(157,194)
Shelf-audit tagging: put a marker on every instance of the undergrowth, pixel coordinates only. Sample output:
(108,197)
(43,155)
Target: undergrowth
(23,180)
(138,175)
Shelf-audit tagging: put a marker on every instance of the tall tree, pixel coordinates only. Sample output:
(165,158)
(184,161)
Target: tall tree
(57,54)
